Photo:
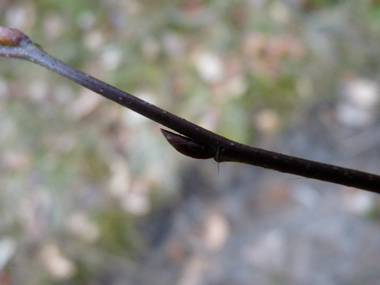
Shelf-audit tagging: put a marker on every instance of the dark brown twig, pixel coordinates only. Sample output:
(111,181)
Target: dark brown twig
(196,141)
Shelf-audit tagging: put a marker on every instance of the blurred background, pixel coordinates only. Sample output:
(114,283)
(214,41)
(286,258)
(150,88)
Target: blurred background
(91,193)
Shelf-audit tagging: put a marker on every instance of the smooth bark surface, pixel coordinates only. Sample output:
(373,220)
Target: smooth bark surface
(196,141)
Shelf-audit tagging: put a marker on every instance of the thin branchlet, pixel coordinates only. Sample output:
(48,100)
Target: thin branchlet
(196,141)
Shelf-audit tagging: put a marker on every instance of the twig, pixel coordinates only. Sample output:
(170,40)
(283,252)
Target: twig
(195,141)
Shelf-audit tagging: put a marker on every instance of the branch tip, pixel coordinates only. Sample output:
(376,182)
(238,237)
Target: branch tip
(12,37)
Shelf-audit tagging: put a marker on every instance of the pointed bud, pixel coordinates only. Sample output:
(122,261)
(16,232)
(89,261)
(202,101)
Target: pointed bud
(12,37)
(188,147)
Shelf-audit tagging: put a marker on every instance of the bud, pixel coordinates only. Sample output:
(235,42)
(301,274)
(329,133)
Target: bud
(188,147)
(12,37)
